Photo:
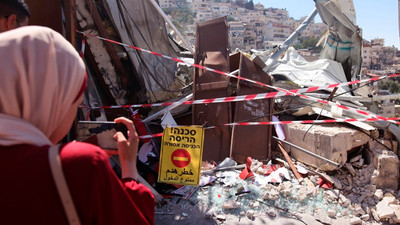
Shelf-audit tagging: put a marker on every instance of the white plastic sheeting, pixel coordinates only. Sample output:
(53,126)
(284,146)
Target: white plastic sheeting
(309,74)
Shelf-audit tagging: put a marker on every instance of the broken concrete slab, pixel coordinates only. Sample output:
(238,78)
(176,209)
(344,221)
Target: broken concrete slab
(386,174)
(396,209)
(331,142)
(384,211)
(355,220)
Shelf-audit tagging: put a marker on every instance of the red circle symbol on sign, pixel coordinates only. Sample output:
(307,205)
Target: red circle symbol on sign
(180,158)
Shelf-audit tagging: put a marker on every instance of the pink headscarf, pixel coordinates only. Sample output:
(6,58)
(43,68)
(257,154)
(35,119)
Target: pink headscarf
(42,78)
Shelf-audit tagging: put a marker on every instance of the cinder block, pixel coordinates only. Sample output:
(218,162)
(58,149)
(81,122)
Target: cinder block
(386,163)
(329,141)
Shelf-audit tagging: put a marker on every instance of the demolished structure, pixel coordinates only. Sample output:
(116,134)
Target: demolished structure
(341,159)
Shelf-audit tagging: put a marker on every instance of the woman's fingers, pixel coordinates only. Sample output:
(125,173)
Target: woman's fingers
(129,125)
(119,136)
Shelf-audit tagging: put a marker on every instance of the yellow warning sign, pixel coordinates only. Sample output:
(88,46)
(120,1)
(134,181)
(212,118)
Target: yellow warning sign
(181,155)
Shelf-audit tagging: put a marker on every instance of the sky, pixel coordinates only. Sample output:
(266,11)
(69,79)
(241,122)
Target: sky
(376,18)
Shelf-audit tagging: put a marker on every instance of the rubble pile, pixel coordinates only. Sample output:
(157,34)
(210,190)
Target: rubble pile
(352,197)
(360,194)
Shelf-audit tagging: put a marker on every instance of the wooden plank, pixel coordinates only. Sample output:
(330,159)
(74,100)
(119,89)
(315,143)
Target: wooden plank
(70,15)
(291,164)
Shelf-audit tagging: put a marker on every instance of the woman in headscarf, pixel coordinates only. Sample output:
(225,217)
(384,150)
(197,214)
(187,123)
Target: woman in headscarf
(42,83)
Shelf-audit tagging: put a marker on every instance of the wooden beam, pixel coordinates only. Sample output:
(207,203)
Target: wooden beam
(291,164)
(102,31)
(69,7)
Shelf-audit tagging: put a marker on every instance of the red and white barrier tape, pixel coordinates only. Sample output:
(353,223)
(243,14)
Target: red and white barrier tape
(288,92)
(240,97)
(286,122)
(83,48)
(309,121)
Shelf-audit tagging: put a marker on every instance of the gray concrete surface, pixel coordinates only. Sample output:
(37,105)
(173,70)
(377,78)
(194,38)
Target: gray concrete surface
(187,212)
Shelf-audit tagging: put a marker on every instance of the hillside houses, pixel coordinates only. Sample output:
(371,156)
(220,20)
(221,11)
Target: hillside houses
(377,56)
(262,28)
(250,28)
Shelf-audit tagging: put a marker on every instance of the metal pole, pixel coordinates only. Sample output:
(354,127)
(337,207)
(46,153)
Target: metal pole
(161,112)
(289,40)
(308,152)
(158,8)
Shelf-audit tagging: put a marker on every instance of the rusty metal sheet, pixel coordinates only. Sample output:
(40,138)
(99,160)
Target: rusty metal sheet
(253,141)
(212,51)
(234,61)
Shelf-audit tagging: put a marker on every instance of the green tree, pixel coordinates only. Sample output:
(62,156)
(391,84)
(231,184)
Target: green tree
(392,86)
(249,5)
(309,43)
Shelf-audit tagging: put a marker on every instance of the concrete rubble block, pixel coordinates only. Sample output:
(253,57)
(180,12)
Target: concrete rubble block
(221,217)
(378,194)
(389,198)
(303,193)
(365,217)
(337,183)
(358,210)
(326,140)
(254,205)
(370,188)
(386,175)
(383,209)
(331,213)
(322,216)
(271,214)
(375,215)
(285,187)
(332,194)
(396,209)
(391,144)
(231,204)
(273,194)
(355,220)
(343,201)
(345,212)
(250,214)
